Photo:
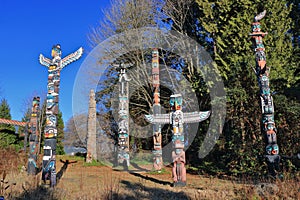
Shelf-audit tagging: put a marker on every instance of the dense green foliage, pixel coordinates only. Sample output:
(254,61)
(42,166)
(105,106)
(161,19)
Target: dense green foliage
(228,24)
(222,27)
(60,135)
(7,132)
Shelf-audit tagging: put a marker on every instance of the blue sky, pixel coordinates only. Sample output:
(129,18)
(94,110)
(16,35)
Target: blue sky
(31,27)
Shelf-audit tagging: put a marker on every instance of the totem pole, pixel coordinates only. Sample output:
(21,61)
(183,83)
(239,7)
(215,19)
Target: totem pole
(123,121)
(177,118)
(34,136)
(262,72)
(157,150)
(54,67)
(91,130)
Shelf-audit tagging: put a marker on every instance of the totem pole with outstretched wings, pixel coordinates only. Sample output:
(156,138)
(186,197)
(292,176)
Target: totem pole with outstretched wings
(177,118)
(55,65)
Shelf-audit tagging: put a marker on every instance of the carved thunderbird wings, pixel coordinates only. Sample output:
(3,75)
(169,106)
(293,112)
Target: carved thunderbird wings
(65,61)
(192,117)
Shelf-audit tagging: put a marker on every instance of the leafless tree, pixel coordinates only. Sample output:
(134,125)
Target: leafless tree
(76,131)
(127,17)
(124,15)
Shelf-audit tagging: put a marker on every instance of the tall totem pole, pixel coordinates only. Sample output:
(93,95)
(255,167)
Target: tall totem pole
(267,107)
(157,149)
(91,130)
(177,118)
(34,136)
(123,121)
(55,65)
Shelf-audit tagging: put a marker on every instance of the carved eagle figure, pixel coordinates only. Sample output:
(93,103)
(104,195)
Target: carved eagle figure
(65,61)
(191,117)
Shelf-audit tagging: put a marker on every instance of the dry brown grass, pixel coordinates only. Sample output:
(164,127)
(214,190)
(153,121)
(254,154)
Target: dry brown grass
(11,160)
(10,163)
(101,182)
(270,189)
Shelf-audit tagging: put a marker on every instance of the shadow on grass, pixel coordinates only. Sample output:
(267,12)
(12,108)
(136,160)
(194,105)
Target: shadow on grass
(140,191)
(136,166)
(151,179)
(63,168)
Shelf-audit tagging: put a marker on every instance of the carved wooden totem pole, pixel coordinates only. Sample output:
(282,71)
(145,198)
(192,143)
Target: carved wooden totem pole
(157,149)
(55,65)
(267,107)
(123,121)
(177,118)
(34,136)
(91,130)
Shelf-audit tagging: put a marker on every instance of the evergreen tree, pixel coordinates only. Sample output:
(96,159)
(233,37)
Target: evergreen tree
(295,31)
(5,113)
(226,25)
(7,132)
(60,135)
(295,15)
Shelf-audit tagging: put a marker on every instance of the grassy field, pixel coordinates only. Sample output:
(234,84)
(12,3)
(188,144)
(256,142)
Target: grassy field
(78,180)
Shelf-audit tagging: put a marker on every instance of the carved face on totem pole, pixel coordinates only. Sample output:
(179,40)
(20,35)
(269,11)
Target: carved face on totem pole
(177,114)
(256,27)
(56,51)
(272,149)
(35,104)
(177,122)
(176,102)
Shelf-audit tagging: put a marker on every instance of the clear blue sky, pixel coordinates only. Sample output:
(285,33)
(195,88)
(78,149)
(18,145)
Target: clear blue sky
(31,27)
